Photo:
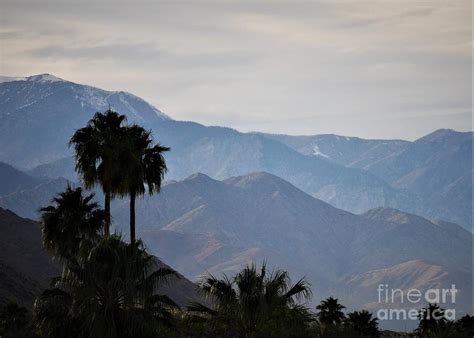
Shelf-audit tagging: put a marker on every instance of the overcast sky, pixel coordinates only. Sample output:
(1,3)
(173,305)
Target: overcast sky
(385,69)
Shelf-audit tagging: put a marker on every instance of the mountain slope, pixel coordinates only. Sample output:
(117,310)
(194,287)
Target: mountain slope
(200,224)
(41,112)
(27,202)
(223,152)
(12,179)
(26,268)
(438,168)
(348,151)
(411,275)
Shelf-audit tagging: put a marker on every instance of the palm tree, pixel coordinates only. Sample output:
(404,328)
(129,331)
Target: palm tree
(432,320)
(253,302)
(330,312)
(145,168)
(109,293)
(363,323)
(97,155)
(69,220)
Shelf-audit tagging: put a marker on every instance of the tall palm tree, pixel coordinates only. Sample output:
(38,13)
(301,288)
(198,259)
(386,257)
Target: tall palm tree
(145,168)
(363,323)
(252,302)
(330,312)
(69,220)
(98,155)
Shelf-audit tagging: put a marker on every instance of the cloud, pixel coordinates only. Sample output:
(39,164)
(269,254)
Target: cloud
(278,67)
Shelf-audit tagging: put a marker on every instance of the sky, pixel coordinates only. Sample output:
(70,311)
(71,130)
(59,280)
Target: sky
(374,69)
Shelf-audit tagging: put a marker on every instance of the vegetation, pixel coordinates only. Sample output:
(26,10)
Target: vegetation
(97,148)
(145,167)
(109,288)
(254,303)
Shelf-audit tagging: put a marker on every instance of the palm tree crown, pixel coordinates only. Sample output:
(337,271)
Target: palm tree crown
(145,168)
(71,219)
(363,323)
(252,300)
(98,155)
(330,311)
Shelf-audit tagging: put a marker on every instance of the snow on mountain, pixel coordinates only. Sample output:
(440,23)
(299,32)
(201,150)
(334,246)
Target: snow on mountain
(317,152)
(42,112)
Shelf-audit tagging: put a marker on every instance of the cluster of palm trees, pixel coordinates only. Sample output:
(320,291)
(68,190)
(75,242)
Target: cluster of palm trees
(120,158)
(108,288)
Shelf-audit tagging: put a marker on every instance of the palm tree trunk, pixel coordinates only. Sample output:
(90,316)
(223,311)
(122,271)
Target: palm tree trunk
(107,215)
(132,218)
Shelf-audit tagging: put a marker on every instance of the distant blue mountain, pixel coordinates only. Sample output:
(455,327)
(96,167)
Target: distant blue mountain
(38,115)
(436,167)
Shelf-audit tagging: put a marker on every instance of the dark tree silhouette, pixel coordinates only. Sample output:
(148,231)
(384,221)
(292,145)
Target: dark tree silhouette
(97,153)
(109,293)
(363,323)
(145,168)
(71,219)
(330,312)
(253,302)
(432,320)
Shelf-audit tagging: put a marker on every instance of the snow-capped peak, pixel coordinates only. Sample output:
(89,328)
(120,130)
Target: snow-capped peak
(44,78)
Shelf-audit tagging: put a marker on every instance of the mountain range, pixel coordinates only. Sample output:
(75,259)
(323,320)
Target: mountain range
(200,225)
(345,212)
(39,113)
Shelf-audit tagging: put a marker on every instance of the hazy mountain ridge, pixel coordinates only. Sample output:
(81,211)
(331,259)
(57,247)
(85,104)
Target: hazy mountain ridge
(348,151)
(45,111)
(38,115)
(13,180)
(437,167)
(24,194)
